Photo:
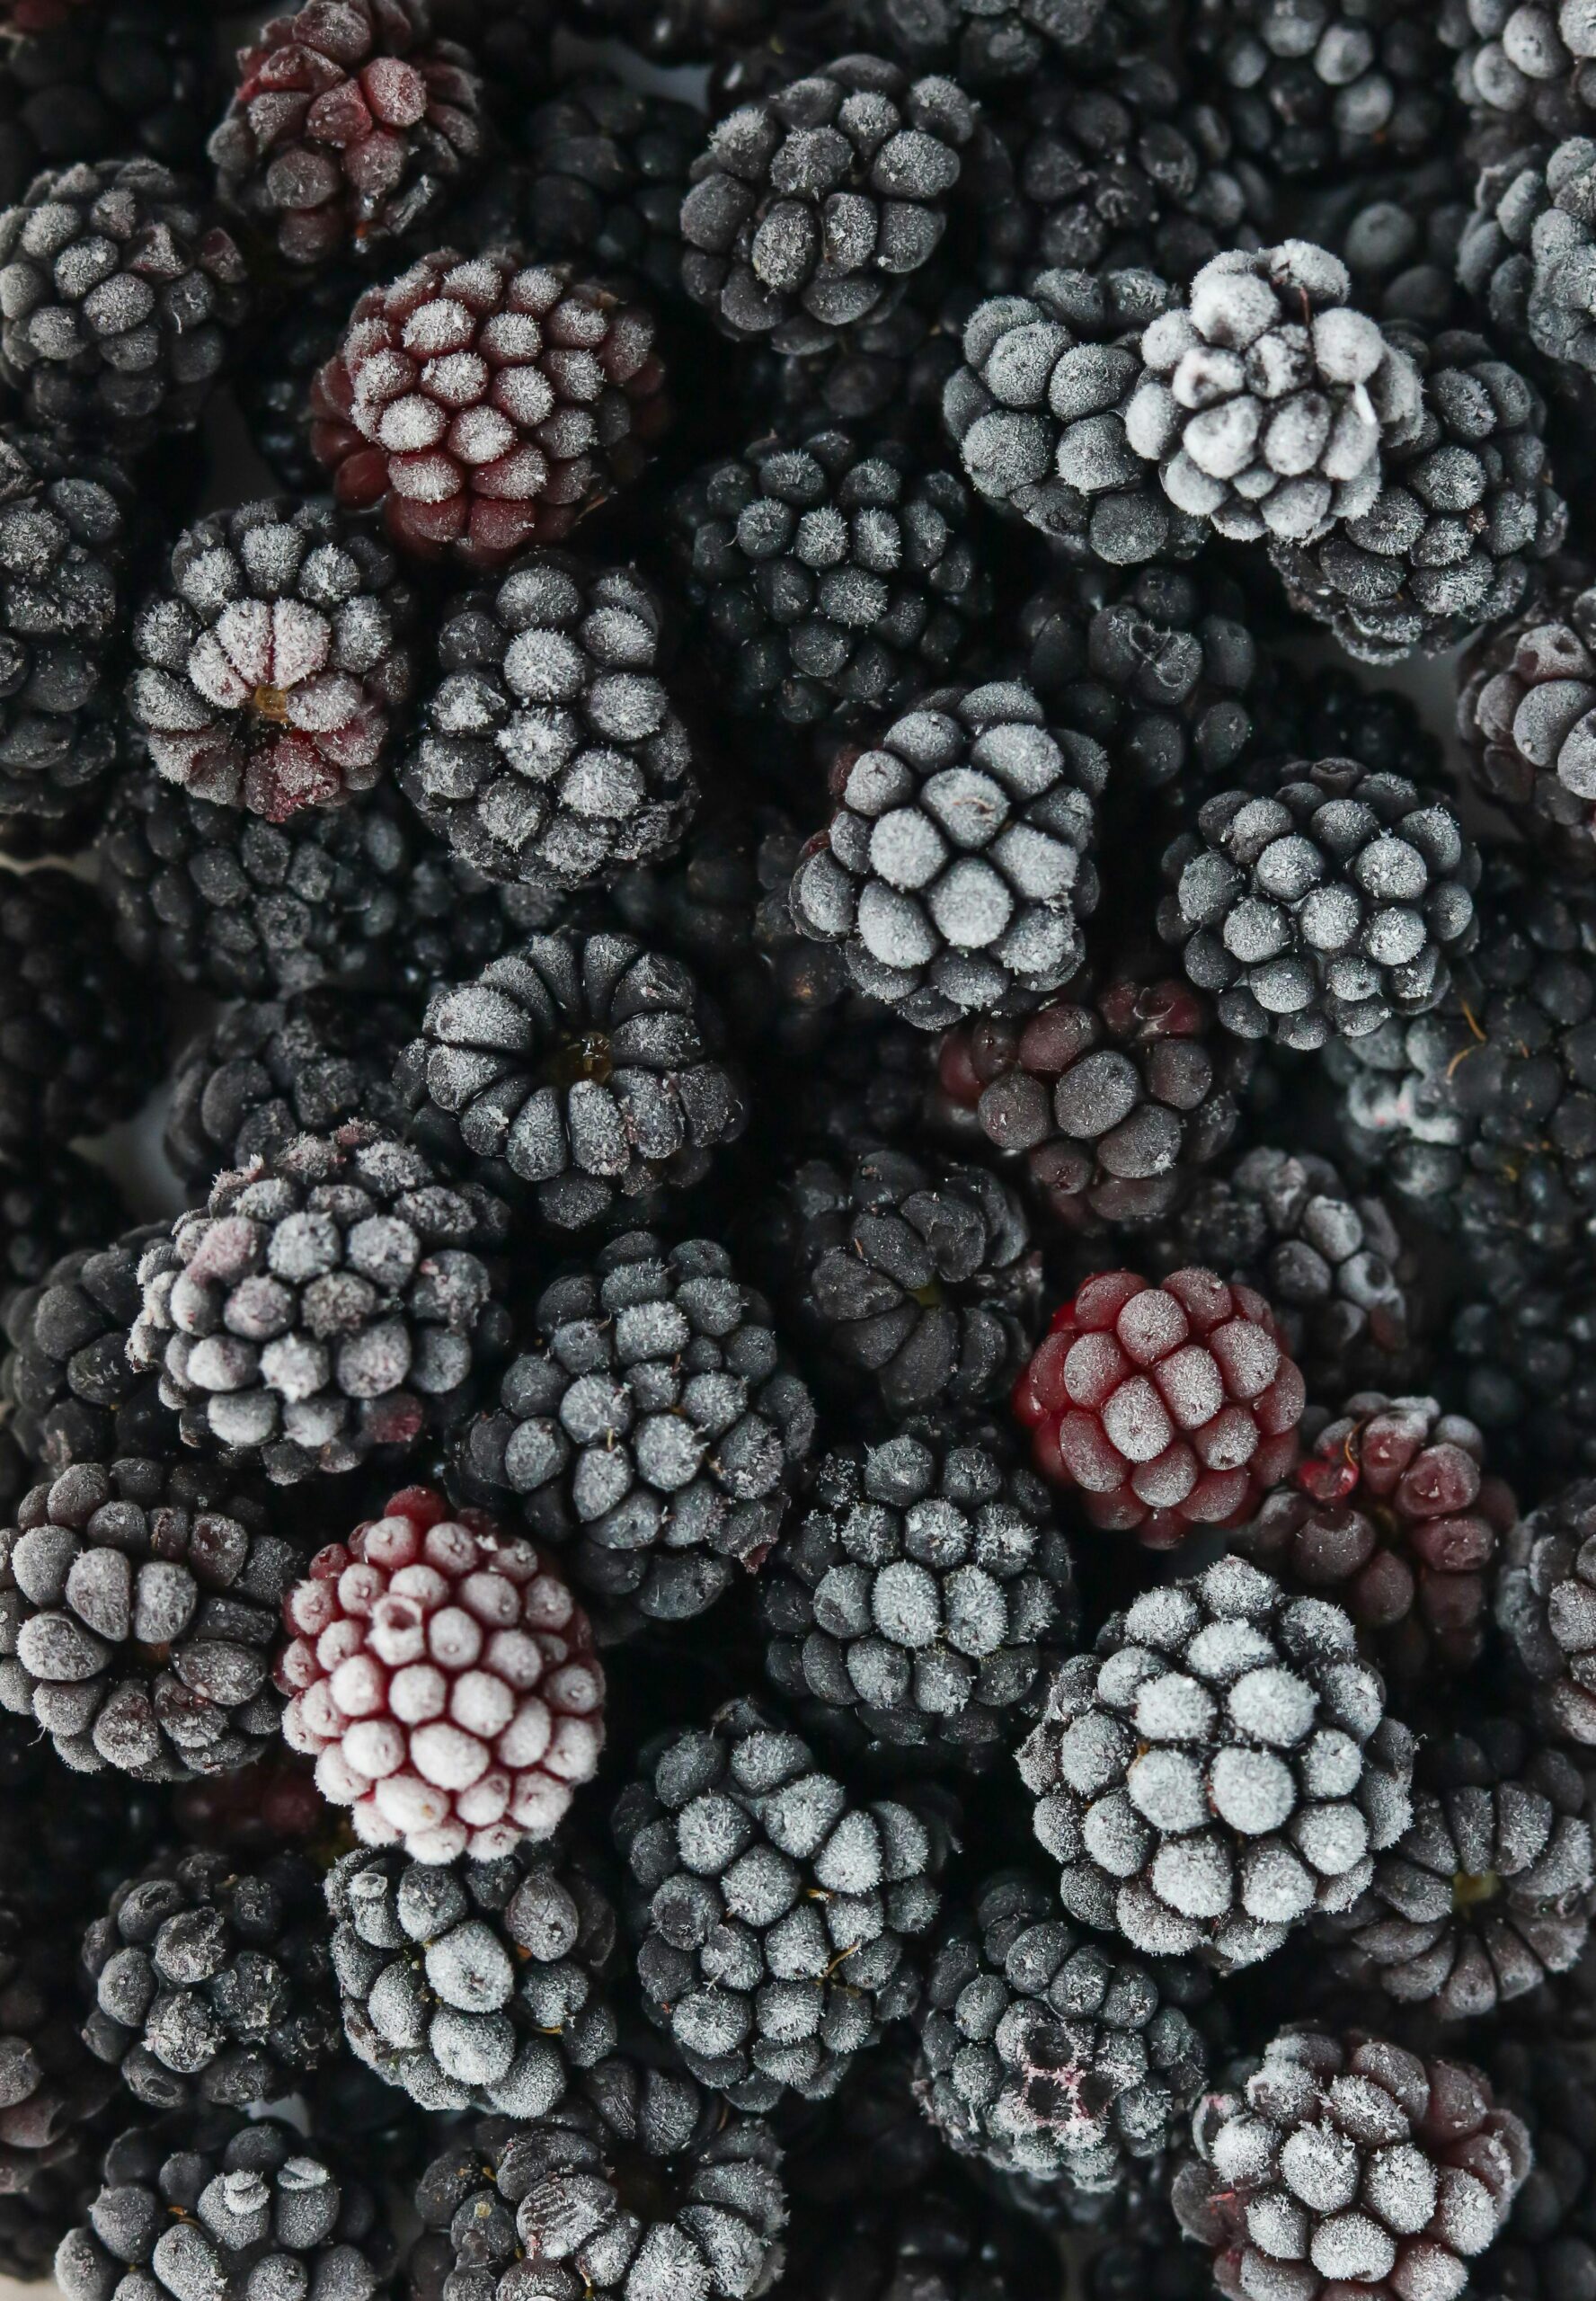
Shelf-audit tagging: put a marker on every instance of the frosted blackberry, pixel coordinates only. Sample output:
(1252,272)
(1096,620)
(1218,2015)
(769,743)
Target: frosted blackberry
(1488,1889)
(958,868)
(1546,1608)
(1114,1100)
(1044,2053)
(72,1395)
(77,1032)
(922,1597)
(349,126)
(52,2089)
(550,748)
(123,299)
(326,1304)
(1525,714)
(1525,70)
(652,1433)
(829,581)
(1329,901)
(1496,254)
(1218,1770)
(212,1983)
(809,208)
(1355,2161)
(578,1071)
(1312,87)
(1519,1360)
(915,1276)
(273,663)
(1268,404)
(477,1984)
(49,1206)
(1039,413)
(637,2184)
(1012,39)
(1548,2252)
(129,76)
(139,1606)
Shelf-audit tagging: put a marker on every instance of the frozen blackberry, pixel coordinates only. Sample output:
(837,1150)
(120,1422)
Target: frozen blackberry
(638,2184)
(958,868)
(1526,718)
(1311,87)
(123,76)
(321,1306)
(887,379)
(139,1606)
(49,1206)
(1268,404)
(477,1984)
(1221,1768)
(35,2216)
(829,581)
(914,1275)
(949,2243)
(1525,69)
(213,1984)
(1044,2053)
(72,1395)
(1496,259)
(991,41)
(224,2205)
(1546,1607)
(1324,904)
(483,404)
(1114,1098)
(1355,2162)
(1488,1889)
(651,1434)
(1521,1360)
(123,300)
(51,2088)
(774,1916)
(351,125)
(923,1596)
(811,207)
(77,1032)
(550,748)
(1039,413)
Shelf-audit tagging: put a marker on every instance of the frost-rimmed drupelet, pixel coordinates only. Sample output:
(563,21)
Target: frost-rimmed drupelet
(1219,1770)
(1527,715)
(443,1677)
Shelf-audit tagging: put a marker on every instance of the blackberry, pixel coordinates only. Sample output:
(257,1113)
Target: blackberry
(349,126)
(829,581)
(1115,1097)
(319,1307)
(1488,1889)
(139,1604)
(958,868)
(51,2088)
(1399,237)
(1497,263)
(123,300)
(1525,718)
(550,748)
(1045,2054)
(1519,1357)
(887,379)
(1330,713)
(483,404)
(1525,70)
(78,1033)
(1189,1827)
(637,2184)
(1380,2169)
(1328,901)
(1546,1608)
(121,76)
(915,1276)
(212,1983)
(1039,412)
(273,663)
(477,1985)
(651,1434)
(922,1597)
(774,1916)
(49,1207)
(1548,2249)
(72,1395)
(1014,40)
(1313,86)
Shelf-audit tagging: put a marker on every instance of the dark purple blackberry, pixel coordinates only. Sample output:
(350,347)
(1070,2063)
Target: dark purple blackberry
(116,75)
(66,1378)
(78,1032)
(1524,71)
(1312,87)
(51,1206)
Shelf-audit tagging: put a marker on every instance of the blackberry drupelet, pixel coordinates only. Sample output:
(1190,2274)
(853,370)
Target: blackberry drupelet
(483,404)
(1310,87)
(213,1984)
(1519,1360)
(829,581)
(139,1606)
(1219,1770)
(922,1598)
(77,1032)
(324,1305)
(124,76)
(652,1432)
(71,1393)
(1546,1609)
(50,1204)
(1524,70)
(1399,236)
(349,127)
(478,1985)
(1525,714)
(550,748)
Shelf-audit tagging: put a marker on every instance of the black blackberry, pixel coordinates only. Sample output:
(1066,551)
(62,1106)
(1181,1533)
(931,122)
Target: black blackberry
(1523,70)
(78,1032)
(1521,1359)
(328,1303)
(922,1595)
(1546,1608)
(829,580)
(1548,2252)
(1524,715)
(48,1206)
(51,2088)
(915,1276)
(1324,904)
(652,1433)
(474,1983)
(213,1984)
(639,2184)
(550,748)
(1310,87)
(123,76)
(990,41)
(574,1072)
(139,1606)
(72,1395)
(949,2243)
(1399,236)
